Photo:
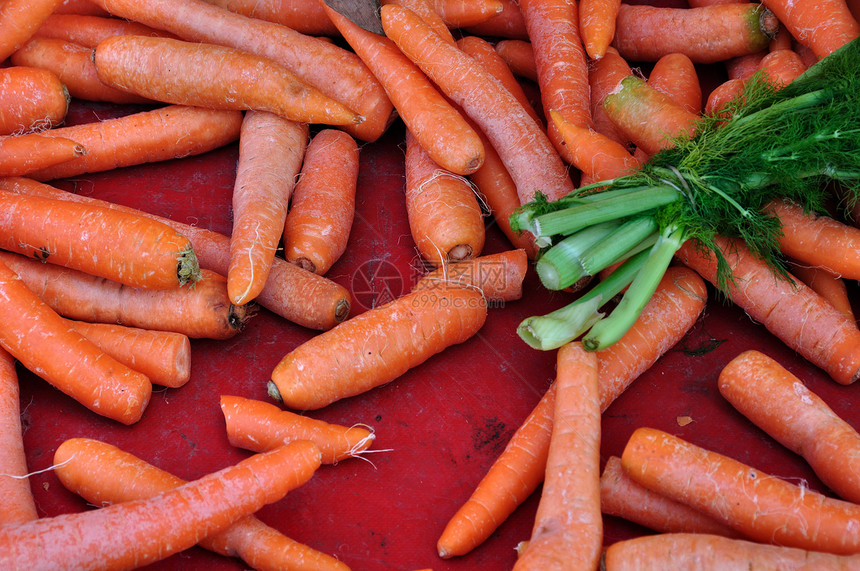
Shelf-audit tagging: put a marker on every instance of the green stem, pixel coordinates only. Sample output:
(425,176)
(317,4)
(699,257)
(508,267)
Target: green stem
(560,266)
(631,237)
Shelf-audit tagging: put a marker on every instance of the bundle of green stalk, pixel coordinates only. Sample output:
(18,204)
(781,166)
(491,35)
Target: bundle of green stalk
(793,142)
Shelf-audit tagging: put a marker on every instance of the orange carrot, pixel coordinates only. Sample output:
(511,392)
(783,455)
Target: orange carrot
(307,16)
(377,346)
(783,40)
(506,24)
(782,66)
(742,67)
(516,473)
(829,286)
(209,505)
(165,133)
(88,238)
(568,529)
(722,94)
(260,426)
(441,129)
(823,26)
(762,507)
(604,75)
(88,30)
(499,277)
(675,75)
(163,356)
(23,154)
(19,20)
(336,72)
(596,155)
(44,106)
(39,338)
(621,496)
(684,551)
(317,227)
(18,503)
(783,406)
(708,34)
(202,311)
(444,216)
(597,25)
(429,13)
(85,7)
(212,76)
(462,13)
(525,150)
(520,57)
(291,292)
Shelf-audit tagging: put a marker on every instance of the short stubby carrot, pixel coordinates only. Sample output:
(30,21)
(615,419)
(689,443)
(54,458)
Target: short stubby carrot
(31,99)
(19,20)
(377,346)
(23,154)
(499,277)
(88,30)
(261,426)
(706,35)
(822,26)
(90,238)
(18,502)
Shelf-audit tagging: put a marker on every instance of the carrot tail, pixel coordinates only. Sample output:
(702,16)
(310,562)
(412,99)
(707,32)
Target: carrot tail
(829,286)
(18,502)
(19,20)
(21,155)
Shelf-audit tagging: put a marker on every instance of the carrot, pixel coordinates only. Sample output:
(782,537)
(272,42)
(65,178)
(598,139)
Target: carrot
(88,30)
(707,35)
(462,13)
(441,129)
(520,57)
(147,530)
(595,154)
(597,25)
(525,150)
(621,496)
(307,17)
(722,94)
(163,356)
(39,338)
(83,462)
(23,154)
(793,312)
(336,72)
(260,426)
(19,20)
(377,346)
(762,507)
(212,76)
(782,66)
(677,551)
(604,75)
(444,216)
(675,75)
(783,406)
(202,311)
(18,502)
(291,292)
(73,65)
(45,105)
(506,24)
(519,469)
(88,238)
(499,277)
(169,132)
(742,67)
(783,40)
(85,7)
(829,286)
(318,225)
(568,529)
(429,13)
(271,149)
(822,26)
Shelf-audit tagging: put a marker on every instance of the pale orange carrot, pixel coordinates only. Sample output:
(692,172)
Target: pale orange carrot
(18,502)
(32,99)
(88,30)
(499,277)
(23,154)
(826,284)
(520,57)
(821,25)
(19,20)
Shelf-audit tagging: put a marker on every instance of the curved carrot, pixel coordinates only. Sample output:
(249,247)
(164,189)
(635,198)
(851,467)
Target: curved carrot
(597,25)
(462,13)
(506,24)
(823,26)
(18,502)
(604,75)
(271,149)
(88,30)
(208,505)
(568,530)
(19,20)
(826,284)
(377,346)
(499,277)
(23,154)
(307,17)
(520,57)
(783,406)
(260,426)
(782,66)
(524,148)
(444,215)
(707,35)
(317,227)
(595,154)
(675,75)
(32,99)
(764,508)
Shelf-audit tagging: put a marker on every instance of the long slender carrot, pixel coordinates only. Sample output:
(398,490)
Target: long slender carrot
(147,530)
(317,227)
(568,529)
(707,35)
(595,154)
(525,150)
(764,508)
(39,338)
(271,150)
(499,277)
(82,462)
(336,72)
(686,551)
(261,426)
(444,215)
(307,17)
(291,292)
(779,403)
(377,346)
(23,154)
(823,26)
(169,132)
(441,129)
(88,30)
(604,75)
(507,24)
(675,75)
(18,502)
(516,473)
(826,284)
(31,99)
(520,57)
(597,25)
(462,13)
(19,20)
(793,312)
(88,238)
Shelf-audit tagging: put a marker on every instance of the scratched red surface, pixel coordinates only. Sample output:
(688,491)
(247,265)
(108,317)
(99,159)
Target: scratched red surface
(438,427)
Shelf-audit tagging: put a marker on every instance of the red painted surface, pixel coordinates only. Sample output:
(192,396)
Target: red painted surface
(439,427)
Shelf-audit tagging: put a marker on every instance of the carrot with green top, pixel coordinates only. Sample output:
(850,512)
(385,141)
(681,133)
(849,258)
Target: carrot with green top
(826,284)
(31,99)
(18,502)
(499,277)
(823,26)
(19,20)
(23,154)
(88,30)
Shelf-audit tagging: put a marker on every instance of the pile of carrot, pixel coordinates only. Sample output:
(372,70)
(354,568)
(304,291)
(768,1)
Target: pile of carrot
(499,102)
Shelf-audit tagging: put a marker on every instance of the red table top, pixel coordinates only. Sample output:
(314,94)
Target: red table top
(438,427)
